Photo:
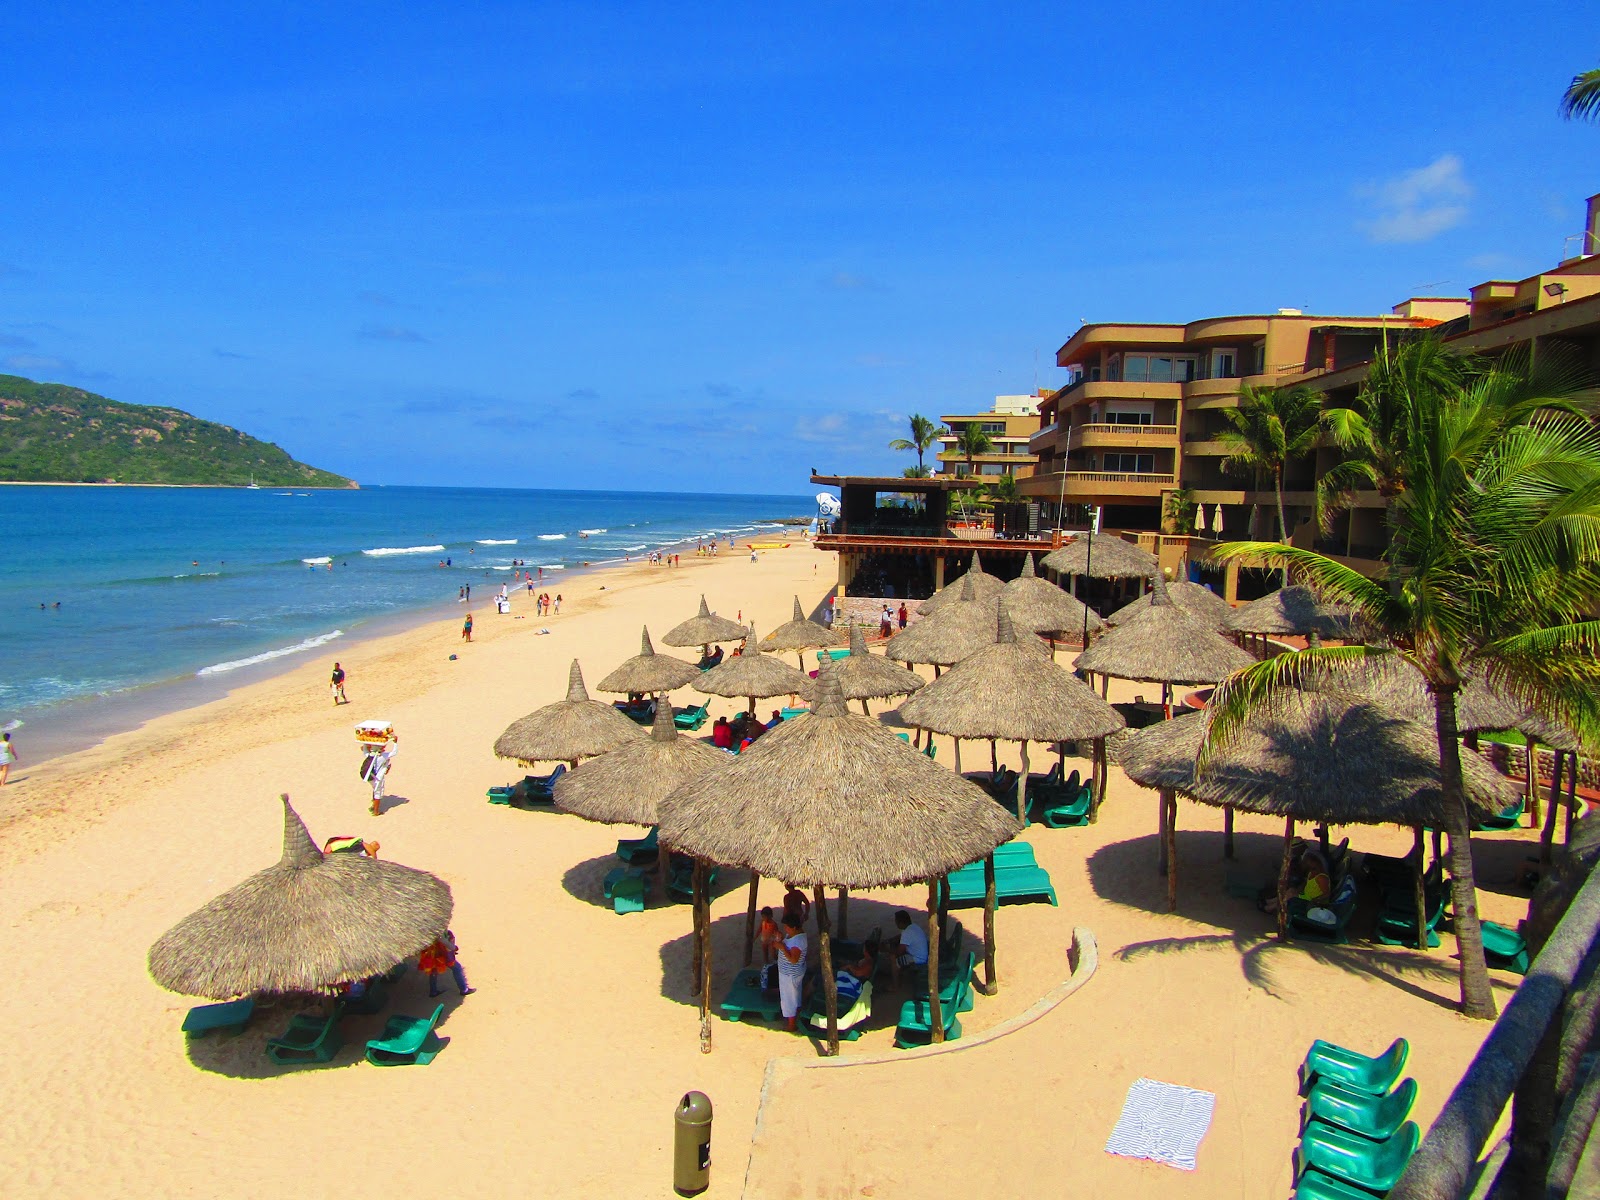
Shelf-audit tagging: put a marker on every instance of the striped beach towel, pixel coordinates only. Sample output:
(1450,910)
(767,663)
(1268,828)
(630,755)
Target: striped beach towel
(1162,1122)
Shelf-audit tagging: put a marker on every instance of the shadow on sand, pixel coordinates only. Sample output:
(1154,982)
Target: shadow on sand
(585,881)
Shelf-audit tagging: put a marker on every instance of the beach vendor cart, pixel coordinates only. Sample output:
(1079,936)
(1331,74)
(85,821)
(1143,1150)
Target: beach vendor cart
(378,742)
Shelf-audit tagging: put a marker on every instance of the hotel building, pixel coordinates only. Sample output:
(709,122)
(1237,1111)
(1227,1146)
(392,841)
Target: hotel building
(1010,424)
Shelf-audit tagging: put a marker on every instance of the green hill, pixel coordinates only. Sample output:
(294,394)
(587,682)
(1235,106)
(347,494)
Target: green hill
(51,433)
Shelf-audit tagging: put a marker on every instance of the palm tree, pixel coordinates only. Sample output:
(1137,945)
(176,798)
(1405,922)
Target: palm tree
(1495,544)
(1582,97)
(972,442)
(918,472)
(924,433)
(1271,427)
(1004,489)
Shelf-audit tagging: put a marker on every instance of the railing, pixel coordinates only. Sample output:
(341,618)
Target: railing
(1116,429)
(1537,1051)
(1117,477)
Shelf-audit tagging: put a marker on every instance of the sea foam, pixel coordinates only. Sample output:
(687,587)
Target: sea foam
(386,551)
(591,532)
(552,537)
(497,541)
(317,562)
(311,643)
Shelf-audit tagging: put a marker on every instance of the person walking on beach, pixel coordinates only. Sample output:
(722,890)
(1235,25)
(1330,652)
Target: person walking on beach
(885,622)
(8,755)
(466,629)
(558,604)
(903,615)
(338,685)
(439,957)
(377,772)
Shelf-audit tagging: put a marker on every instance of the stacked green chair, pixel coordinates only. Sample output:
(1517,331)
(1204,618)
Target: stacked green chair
(1507,818)
(309,1039)
(639,850)
(1355,1138)
(1397,920)
(1504,948)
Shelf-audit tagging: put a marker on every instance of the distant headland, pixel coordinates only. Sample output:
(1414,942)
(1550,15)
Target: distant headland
(52,433)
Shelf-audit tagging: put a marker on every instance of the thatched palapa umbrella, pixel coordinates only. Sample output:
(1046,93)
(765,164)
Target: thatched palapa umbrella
(952,633)
(799,634)
(1188,597)
(624,786)
(1103,556)
(1291,610)
(308,923)
(867,676)
(649,673)
(985,587)
(1006,692)
(1161,643)
(1310,756)
(752,674)
(833,799)
(1039,606)
(703,629)
(567,730)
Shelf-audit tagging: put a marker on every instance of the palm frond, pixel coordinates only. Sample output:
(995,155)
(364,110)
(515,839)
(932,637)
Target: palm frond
(1581,100)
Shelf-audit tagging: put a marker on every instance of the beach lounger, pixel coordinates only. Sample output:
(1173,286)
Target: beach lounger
(1314,1185)
(690,719)
(540,789)
(1397,920)
(1068,814)
(915,1027)
(680,882)
(407,1041)
(229,1018)
(1375,1166)
(849,1022)
(1504,948)
(309,1039)
(637,850)
(1012,882)
(1353,1070)
(1303,924)
(745,998)
(789,714)
(955,980)
(1374,1117)
(827,656)
(1508,817)
(502,795)
(627,888)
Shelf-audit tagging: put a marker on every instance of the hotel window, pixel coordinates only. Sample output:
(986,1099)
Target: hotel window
(1158,368)
(1260,359)
(1130,413)
(1133,464)
(994,427)
(1224,364)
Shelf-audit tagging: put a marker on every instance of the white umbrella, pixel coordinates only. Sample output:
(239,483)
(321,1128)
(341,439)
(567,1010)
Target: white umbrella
(1200,522)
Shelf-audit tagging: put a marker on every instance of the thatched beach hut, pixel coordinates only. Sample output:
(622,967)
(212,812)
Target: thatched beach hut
(1187,597)
(985,587)
(305,924)
(1160,643)
(753,674)
(624,786)
(799,634)
(1039,606)
(703,629)
(833,799)
(1293,611)
(567,730)
(1103,556)
(951,634)
(867,676)
(648,673)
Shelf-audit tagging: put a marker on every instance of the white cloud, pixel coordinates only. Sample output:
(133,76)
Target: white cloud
(1419,204)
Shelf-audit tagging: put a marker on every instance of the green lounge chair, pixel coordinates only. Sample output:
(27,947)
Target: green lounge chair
(827,656)
(1504,948)
(904,737)
(1508,817)
(309,1039)
(680,883)
(502,795)
(745,998)
(1353,1070)
(1019,883)
(789,714)
(1375,1166)
(629,893)
(1397,921)
(540,789)
(407,1041)
(849,1022)
(929,749)
(1377,1118)
(229,1018)
(690,719)
(1302,925)
(1069,815)
(955,981)
(635,850)
(915,1027)
(1314,1185)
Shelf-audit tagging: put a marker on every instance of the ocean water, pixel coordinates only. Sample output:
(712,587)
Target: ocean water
(156,584)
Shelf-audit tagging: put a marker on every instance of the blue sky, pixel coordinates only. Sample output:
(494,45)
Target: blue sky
(712,246)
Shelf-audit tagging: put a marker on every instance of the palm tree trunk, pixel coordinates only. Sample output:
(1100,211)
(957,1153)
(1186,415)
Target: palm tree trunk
(1477,998)
(1283,524)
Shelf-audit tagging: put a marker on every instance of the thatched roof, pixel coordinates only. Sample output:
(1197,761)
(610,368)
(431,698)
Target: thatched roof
(1191,598)
(1291,610)
(799,634)
(307,923)
(1103,556)
(648,671)
(1398,688)
(567,730)
(623,786)
(1008,692)
(1161,643)
(703,629)
(1039,606)
(952,633)
(985,587)
(836,800)
(1315,757)
(753,674)
(868,676)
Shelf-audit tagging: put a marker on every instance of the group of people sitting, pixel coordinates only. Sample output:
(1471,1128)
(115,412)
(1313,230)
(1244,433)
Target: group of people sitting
(742,730)
(785,950)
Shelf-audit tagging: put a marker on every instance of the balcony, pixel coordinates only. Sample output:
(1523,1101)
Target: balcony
(1119,435)
(1098,485)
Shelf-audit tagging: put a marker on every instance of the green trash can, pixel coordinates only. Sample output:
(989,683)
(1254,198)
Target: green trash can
(691,1145)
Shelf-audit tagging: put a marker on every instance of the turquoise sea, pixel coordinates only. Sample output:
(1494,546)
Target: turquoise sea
(112,592)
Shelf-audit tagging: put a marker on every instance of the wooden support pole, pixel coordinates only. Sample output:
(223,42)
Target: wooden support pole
(699,937)
(1161,833)
(830,985)
(1227,831)
(956,742)
(1533,782)
(750,920)
(994,755)
(1283,880)
(702,890)
(1022,786)
(1172,851)
(1420,892)
(991,982)
(935,1015)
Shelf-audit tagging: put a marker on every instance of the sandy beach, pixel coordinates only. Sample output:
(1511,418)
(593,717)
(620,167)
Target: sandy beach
(562,1071)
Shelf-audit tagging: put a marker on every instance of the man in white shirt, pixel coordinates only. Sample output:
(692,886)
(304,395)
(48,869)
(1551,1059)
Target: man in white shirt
(912,948)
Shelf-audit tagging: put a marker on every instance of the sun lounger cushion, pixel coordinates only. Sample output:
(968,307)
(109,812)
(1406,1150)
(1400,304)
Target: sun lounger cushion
(229,1018)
